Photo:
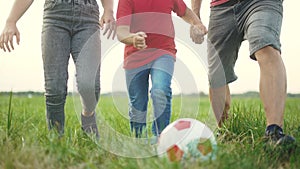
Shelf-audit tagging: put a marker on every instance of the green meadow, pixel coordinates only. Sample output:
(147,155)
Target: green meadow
(25,141)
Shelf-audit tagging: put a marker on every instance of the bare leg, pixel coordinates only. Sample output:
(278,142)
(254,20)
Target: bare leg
(87,113)
(272,84)
(220,101)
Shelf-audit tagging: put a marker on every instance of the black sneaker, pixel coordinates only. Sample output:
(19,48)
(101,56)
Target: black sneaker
(89,125)
(275,139)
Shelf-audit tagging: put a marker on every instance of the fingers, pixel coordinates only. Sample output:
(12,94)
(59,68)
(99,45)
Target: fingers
(10,40)
(204,30)
(199,30)
(101,23)
(109,22)
(114,33)
(6,41)
(106,28)
(197,33)
(110,29)
(139,40)
(139,44)
(198,39)
(18,37)
(142,34)
(1,43)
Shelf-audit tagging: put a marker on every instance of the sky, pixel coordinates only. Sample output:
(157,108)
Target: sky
(22,69)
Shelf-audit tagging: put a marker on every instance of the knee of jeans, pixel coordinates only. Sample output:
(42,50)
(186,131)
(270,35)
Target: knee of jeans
(87,87)
(161,101)
(161,92)
(138,102)
(54,97)
(55,102)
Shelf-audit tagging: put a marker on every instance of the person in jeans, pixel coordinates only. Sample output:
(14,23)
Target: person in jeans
(69,27)
(259,22)
(146,27)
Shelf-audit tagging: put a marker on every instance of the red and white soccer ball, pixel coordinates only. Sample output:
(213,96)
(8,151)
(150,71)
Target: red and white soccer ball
(187,139)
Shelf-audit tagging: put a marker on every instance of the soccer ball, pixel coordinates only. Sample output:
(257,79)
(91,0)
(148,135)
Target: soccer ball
(187,139)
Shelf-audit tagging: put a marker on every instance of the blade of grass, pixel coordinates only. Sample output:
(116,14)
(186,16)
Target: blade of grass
(9,115)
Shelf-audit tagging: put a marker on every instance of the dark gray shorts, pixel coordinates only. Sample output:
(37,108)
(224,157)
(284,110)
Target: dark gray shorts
(258,21)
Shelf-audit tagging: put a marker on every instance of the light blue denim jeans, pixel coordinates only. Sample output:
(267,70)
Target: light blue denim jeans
(160,71)
(70,27)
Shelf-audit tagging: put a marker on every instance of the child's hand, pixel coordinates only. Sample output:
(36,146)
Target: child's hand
(197,33)
(139,40)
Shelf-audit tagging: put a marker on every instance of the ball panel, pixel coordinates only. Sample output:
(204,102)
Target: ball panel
(182,124)
(175,153)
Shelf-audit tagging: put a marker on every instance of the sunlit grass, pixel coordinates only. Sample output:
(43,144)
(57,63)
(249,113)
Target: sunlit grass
(25,141)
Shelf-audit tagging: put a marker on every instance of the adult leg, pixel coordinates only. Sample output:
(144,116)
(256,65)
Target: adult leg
(86,52)
(88,75)
(161,92)
(272,84)
(87,57)
(262,29)
(56,53)
(220,101)
(273,94)
(263,32)
(223,46)
(55,60)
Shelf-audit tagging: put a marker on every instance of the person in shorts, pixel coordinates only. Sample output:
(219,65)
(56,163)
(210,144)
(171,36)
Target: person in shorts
(258,21)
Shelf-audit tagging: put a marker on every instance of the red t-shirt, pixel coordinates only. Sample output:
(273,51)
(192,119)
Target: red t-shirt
(217,2)
(154,18)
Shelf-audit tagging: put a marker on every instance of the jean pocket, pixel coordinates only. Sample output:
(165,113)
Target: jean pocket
(49,4)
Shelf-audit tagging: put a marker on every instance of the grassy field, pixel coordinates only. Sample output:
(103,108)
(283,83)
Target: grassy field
(25,141)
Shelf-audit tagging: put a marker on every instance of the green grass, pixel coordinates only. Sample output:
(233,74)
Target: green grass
(25,141)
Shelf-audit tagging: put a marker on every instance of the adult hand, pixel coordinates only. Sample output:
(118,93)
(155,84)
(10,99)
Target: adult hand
(108,20)
(139,40)
(197,33)
(6,38)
